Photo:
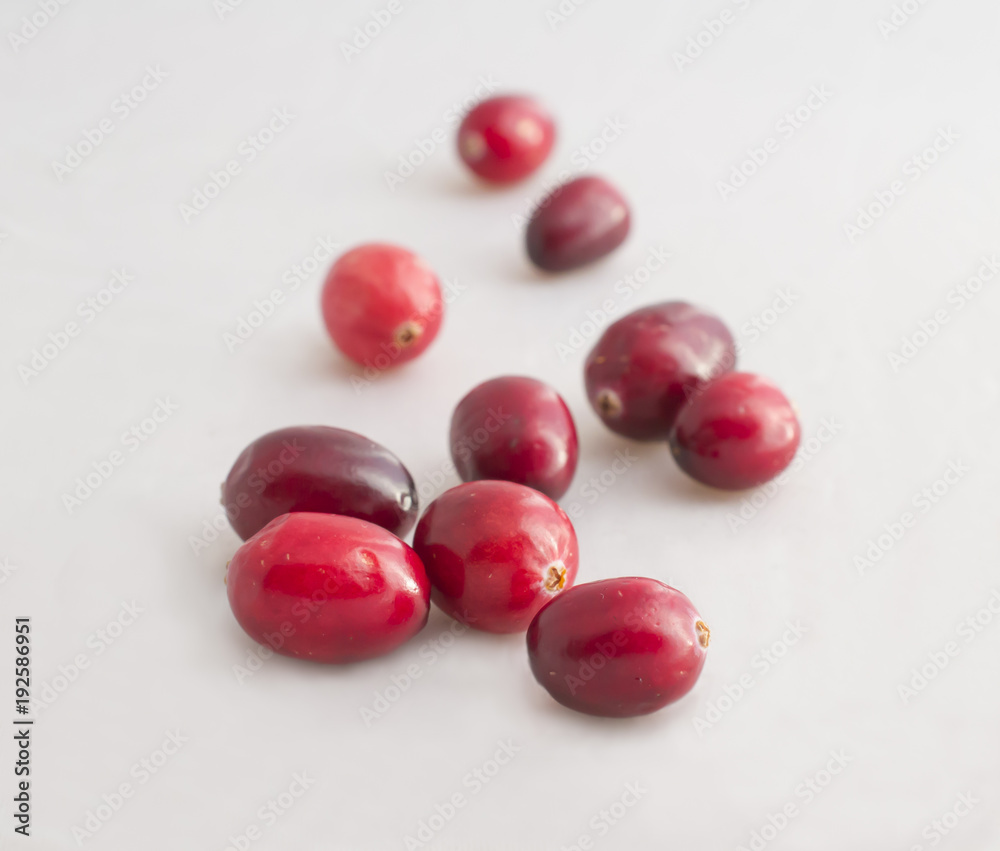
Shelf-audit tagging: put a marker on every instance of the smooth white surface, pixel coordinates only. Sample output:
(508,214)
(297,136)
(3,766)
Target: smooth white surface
(323,176)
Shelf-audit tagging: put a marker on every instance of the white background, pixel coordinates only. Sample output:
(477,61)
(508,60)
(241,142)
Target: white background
(324,176)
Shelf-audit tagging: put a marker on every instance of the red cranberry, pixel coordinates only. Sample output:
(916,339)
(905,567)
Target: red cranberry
(504,139)
(382,305)
(319,469)
(648,363)
(495,553)
(515,429)
(619,647)
(328,588)
(577,223)
(738,432)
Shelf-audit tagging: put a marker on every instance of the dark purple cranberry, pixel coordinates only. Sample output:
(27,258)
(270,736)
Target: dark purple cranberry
(738,432)
(577,223)
(518,430)
(318,469)
(648,363)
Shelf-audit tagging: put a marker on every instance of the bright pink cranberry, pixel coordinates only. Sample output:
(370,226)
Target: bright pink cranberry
(328,588)
(736,433)
(619,647)
(319,469)
(515,429)
(648,363)
(382,305)
(504,139)
(578,223)
(495,553)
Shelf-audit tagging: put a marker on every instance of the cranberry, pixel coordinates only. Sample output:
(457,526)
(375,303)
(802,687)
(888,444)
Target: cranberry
(619,647)
(738,432)
(382,305)
(504,139)
(648,363)
(319,469)
(577,223)
(495,553)
(328,588)
(515,429)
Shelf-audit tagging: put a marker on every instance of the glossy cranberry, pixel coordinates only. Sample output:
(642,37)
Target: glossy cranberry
(382,305)
(619,647)
(495,553)
(328,588)
(504,139)
(578,223)
(736,433)
(518,430)
(319,469)
(648,363)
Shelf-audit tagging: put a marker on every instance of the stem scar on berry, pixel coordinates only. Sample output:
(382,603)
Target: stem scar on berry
(407,334)
(609,403)
(555,579)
